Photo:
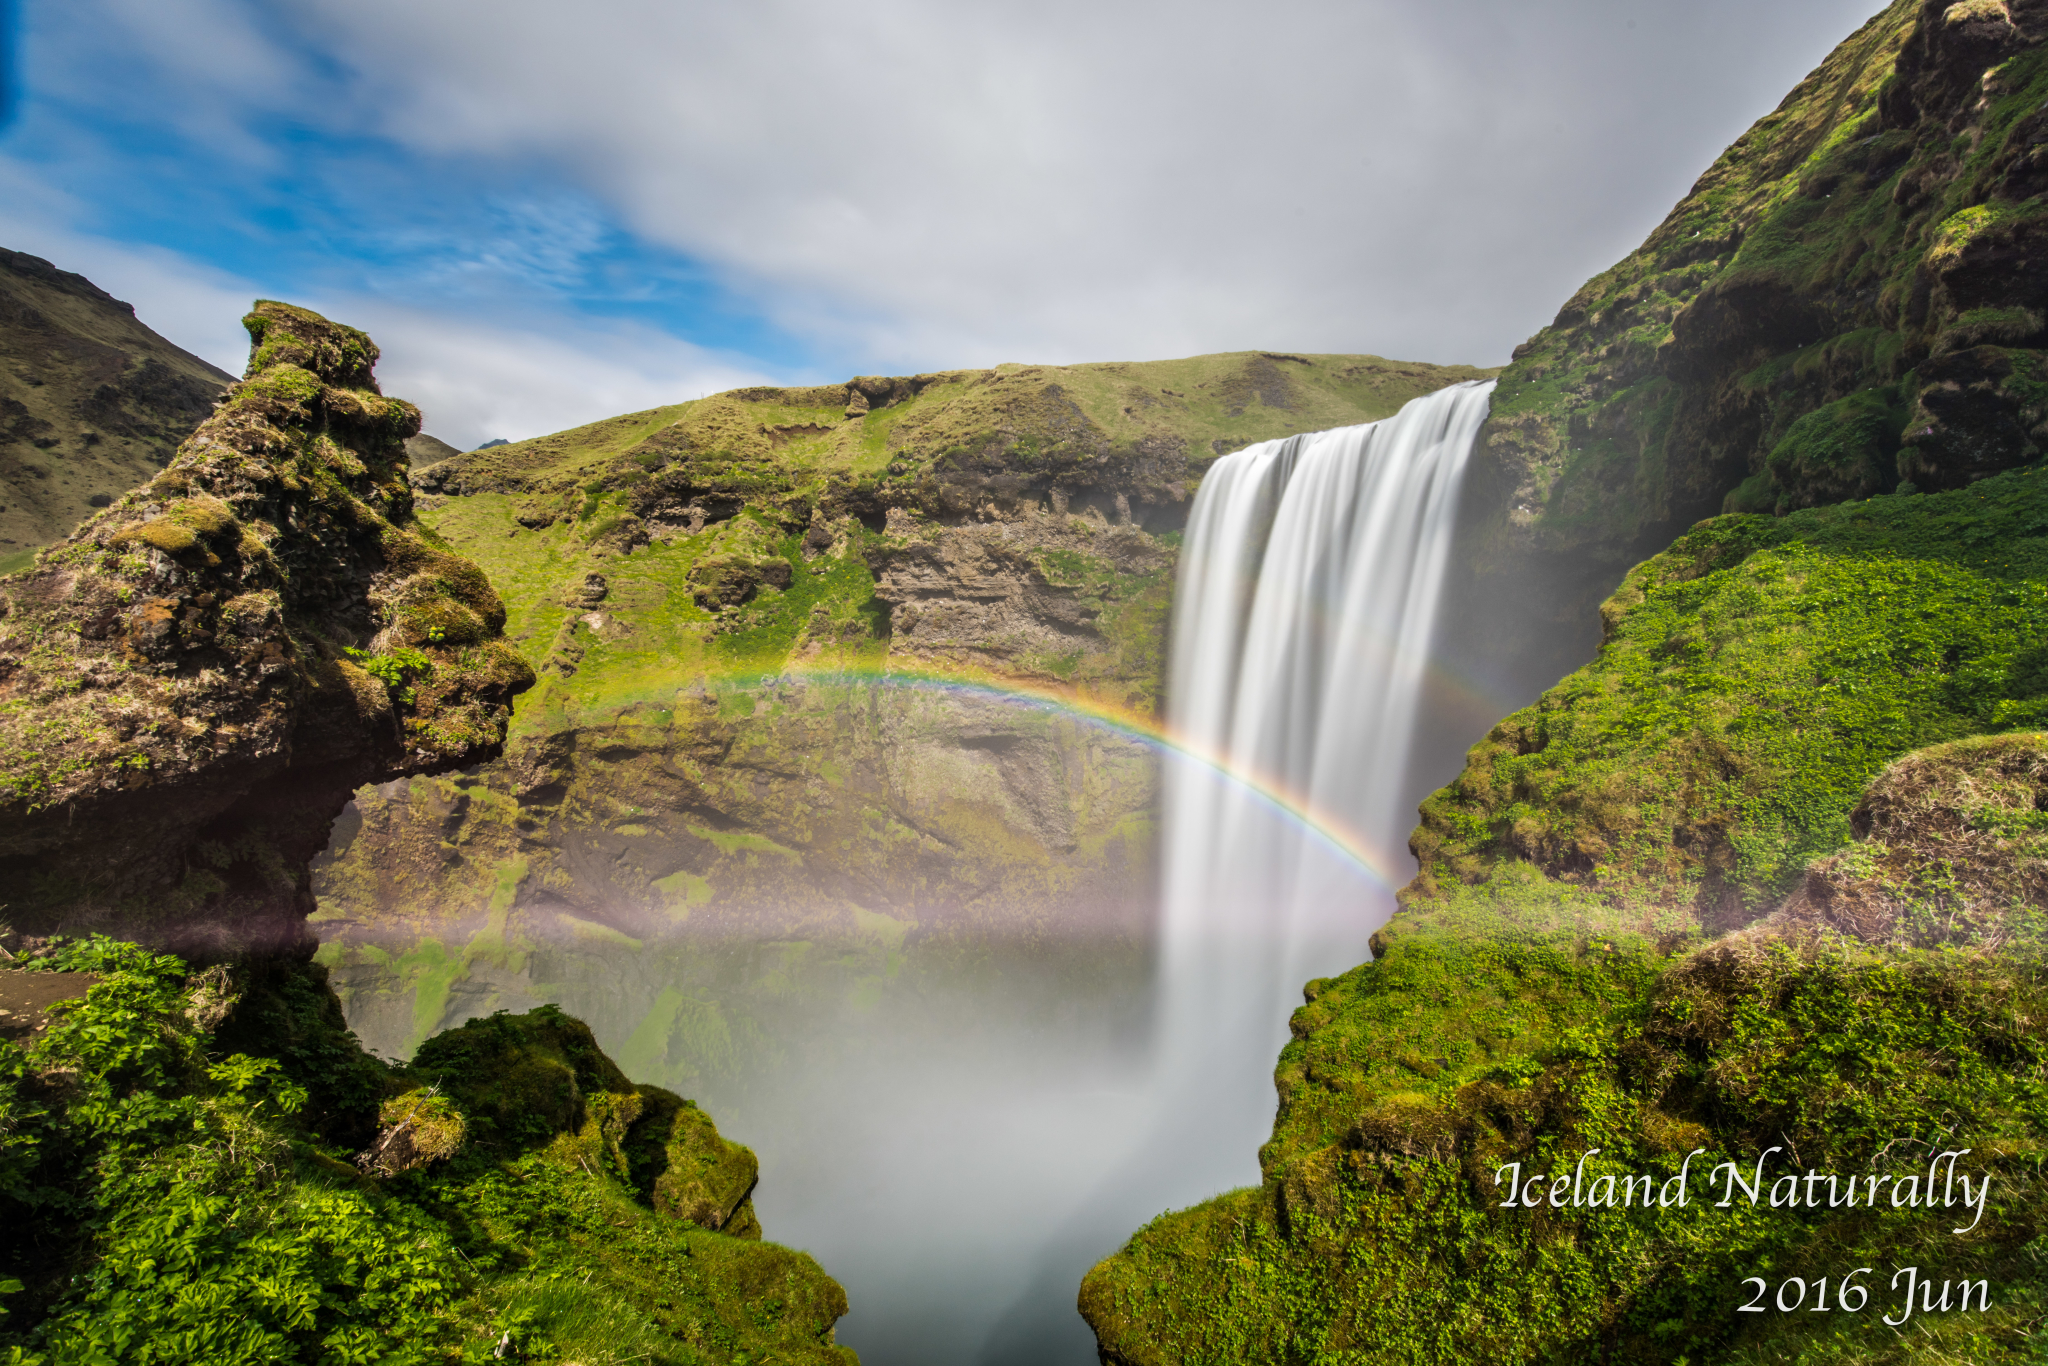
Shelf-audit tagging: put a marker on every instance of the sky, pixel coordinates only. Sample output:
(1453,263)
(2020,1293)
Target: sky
(549,213)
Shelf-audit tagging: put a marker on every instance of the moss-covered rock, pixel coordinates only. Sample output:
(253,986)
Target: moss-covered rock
(1755,677)
(191,684)
(1848,301)
(1526,1023)
(1952,848)
(168,1197)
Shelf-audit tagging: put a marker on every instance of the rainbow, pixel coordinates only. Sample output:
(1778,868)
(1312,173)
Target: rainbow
(1327,828)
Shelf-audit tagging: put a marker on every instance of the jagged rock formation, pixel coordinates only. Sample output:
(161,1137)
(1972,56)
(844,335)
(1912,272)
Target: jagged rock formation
(192,683)
(91,401)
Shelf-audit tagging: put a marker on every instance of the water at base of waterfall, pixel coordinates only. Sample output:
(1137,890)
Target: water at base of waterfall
(959,1154)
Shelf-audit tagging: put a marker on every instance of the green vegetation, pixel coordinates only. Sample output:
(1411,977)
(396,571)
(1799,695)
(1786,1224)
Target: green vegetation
(904,441)
(1521,1023)
(1755,677)
(181,1181)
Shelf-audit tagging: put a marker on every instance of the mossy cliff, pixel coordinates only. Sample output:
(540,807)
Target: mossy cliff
(781,636)
(193,682)
(204,1167)
(1851,298)
(1755,676)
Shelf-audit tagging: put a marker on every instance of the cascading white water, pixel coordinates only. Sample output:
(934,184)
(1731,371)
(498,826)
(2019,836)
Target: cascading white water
(1308,595)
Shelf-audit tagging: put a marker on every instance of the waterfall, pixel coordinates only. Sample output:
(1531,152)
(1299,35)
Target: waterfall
(1308,594)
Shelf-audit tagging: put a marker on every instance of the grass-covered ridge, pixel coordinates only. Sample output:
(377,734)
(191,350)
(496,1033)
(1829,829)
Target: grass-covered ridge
(940,442)
(1521,1022)
(1755,677)
(199,1168)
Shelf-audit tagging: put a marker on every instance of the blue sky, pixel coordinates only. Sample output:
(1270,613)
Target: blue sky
(547,214)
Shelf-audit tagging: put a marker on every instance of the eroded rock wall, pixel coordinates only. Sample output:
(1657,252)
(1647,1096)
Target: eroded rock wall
(193,682)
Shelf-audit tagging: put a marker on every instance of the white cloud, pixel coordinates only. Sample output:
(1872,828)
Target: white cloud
(474,376)
(917,184)
(929,182)
(474,379)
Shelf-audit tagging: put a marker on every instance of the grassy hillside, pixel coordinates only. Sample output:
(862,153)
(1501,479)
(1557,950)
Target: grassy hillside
(92,402)
(945,444)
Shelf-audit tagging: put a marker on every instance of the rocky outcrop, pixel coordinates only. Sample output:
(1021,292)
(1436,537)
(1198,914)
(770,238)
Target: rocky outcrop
(1038,594)
(1848,302)
(193,682)
(91,401)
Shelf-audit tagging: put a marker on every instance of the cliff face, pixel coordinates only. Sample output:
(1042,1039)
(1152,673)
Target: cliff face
(1755,676)
(808,661)
(1849,299)
(1847,307)
(192,683)
(91,402)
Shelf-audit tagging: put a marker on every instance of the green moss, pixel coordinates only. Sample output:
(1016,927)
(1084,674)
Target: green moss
(176,1202)
(1841,451)
(1756,676)
(1378,1233)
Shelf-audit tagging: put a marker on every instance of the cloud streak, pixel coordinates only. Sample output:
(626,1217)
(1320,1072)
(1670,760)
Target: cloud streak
(473,378)
(912,184)
(921,180)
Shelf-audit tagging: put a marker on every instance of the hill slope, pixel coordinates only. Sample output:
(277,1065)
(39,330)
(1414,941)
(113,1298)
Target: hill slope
(92,402)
